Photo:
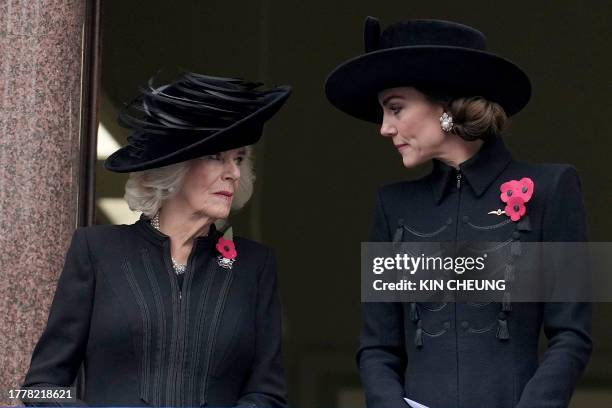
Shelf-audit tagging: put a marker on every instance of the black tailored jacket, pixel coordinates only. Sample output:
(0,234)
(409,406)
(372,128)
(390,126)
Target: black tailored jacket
(144,341)
(476,355)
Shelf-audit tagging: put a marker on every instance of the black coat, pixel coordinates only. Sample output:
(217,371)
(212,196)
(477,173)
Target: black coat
(468,355)
(144,341)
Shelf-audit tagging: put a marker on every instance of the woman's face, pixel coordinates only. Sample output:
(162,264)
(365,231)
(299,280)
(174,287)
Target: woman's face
(210,183)
(412,123)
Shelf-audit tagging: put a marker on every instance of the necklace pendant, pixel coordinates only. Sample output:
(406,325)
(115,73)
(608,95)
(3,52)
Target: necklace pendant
(179,269)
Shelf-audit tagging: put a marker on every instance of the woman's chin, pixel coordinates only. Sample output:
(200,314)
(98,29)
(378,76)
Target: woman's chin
(218,215)
(410,161)
(216,212)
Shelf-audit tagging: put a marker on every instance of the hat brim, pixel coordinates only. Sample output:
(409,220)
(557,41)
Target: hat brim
(353,87)
(244,132)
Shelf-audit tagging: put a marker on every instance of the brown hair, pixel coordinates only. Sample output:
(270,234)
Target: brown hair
(477,118)
(473,117)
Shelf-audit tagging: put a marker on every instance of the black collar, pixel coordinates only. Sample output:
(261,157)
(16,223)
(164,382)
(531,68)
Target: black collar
(155,236)
(479,170)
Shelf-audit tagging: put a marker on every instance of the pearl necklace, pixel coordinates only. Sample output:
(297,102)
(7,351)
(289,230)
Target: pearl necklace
(179,269)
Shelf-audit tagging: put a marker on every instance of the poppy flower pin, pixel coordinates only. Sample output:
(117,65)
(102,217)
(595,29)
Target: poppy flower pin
(515,193)
(227,249)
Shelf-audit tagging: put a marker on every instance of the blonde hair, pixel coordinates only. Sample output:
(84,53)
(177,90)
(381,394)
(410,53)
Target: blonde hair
(146,190)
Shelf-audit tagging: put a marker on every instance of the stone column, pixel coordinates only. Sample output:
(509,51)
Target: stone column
(41,61)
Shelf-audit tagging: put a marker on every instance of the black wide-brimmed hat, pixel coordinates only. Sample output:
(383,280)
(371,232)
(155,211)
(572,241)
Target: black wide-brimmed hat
(191,117)
(434,56)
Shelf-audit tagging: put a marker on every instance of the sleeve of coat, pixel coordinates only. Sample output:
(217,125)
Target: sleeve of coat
(381,357)
(567,326)
(60,350)
(266,387)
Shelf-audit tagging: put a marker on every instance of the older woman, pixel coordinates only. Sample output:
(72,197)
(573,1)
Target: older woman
(439,96)
(167,311)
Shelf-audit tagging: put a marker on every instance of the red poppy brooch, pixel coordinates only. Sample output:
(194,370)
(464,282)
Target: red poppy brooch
(227,249)
(515,193)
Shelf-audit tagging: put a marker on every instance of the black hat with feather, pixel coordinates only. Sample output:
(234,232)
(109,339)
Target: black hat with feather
(193,116)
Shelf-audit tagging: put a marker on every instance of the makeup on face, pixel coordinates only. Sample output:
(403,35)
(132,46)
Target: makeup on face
(211,181)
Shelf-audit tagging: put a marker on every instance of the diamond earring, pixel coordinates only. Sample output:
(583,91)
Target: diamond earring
(446,122)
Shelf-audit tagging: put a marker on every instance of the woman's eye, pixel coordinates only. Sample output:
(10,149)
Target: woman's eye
(395,109)
(239,159)
(212,157)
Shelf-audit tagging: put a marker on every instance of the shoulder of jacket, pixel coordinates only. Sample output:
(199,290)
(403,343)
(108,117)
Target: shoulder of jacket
(558,170)
(549,178)
(553,170)
(101,232)
(257,255)
(403,187)
(548,174)
(251,247)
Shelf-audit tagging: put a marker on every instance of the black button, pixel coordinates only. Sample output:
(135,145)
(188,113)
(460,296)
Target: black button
(516,235)
(465,324)
(501,315)
(447,325)
(449,221)
(466,218)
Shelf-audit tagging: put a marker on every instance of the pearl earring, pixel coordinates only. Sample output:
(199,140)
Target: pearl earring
(446,122)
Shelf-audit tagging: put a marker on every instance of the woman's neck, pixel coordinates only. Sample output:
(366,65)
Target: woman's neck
(457,150)
(181,224)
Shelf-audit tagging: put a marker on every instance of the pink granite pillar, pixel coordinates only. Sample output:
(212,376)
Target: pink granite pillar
(41,54)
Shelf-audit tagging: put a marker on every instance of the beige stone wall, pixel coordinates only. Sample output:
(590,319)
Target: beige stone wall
(40,122)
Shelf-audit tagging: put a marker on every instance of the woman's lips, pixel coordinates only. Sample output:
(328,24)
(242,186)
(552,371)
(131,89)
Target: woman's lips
(224,194)
(400,146)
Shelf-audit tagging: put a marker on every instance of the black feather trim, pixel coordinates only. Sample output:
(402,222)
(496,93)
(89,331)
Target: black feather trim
(194,103)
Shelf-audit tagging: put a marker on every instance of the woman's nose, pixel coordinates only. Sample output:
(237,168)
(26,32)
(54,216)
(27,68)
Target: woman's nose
(232,170)
(387,130)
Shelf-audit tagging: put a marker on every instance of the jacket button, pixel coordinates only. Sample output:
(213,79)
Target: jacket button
(447,325)
(466,219)
(502,316)
(465,324)
(449,221)
(516,235)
